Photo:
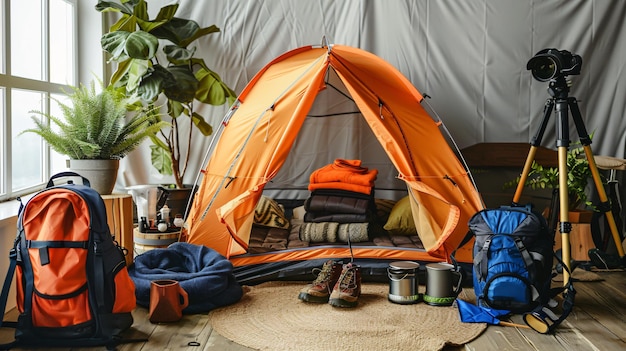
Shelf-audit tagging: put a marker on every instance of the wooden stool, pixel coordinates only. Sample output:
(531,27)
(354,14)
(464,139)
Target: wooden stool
(610,163)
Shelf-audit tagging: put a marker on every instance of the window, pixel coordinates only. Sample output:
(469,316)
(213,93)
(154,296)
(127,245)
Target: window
(38,61)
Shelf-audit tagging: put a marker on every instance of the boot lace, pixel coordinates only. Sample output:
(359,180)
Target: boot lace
(348,281)
(322,274)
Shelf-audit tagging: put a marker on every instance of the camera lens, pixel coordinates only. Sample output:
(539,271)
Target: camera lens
(543,68)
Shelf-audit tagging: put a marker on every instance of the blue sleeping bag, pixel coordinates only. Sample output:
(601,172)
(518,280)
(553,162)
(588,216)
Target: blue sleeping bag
(204,274)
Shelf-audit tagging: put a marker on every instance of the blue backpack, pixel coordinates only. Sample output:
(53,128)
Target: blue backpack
(513,257)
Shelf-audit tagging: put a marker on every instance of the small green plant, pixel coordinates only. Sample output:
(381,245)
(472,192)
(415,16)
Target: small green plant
(94,124)
(540,177)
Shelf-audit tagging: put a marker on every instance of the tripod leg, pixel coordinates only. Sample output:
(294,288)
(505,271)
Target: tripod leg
(524,175)
(534,144)
(562,144)
(565,226)
(604,199)
(595,174)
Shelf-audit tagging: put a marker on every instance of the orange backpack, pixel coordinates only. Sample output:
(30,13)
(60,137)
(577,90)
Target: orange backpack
(73,287)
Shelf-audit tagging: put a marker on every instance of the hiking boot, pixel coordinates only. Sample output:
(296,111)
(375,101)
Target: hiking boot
(320,289)
(348,287)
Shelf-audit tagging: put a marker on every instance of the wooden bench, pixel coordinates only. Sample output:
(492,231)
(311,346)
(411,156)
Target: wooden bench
(495,155)
(494,164)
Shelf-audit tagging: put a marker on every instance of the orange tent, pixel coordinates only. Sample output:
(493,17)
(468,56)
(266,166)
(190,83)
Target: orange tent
(260,129)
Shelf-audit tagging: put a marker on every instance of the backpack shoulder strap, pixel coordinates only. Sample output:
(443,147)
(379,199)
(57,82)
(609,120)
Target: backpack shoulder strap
(526,255)
(7,283)
(8,280)
(480,260)
(5,295)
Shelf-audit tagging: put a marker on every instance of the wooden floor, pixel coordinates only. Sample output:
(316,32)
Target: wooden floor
(597,322)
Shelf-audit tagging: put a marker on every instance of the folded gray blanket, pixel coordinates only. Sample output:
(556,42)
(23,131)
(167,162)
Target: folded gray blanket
(356,232)
(319,232)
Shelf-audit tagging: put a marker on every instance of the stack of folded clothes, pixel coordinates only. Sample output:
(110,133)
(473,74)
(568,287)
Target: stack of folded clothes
(341,205)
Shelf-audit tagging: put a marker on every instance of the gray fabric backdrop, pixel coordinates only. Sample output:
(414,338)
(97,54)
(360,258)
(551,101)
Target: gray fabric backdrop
(470,56)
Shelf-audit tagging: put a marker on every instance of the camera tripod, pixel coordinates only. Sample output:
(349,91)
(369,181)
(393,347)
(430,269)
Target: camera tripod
(561,102)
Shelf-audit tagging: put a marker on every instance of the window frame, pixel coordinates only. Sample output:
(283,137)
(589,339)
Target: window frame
(8,82)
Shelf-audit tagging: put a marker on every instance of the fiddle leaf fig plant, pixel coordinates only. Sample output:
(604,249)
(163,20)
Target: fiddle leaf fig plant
(174,73)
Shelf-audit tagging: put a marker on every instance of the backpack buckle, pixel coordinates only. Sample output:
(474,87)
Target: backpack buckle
(96,248)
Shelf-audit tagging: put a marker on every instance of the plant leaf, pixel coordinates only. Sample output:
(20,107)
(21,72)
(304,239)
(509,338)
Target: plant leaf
(110,6)
(166,13)
(150,87)
(141,45)
(140,10)
(161,160)
(178,55)
(122,69)
(183,31)
(174,108)
(185,84)
(114,43)
(138,68)
(199,33)
(210,89)
(202,125)
(126,23)
(154,82)
(159,143)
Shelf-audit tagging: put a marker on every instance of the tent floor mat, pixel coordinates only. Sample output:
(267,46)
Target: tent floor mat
(372,270)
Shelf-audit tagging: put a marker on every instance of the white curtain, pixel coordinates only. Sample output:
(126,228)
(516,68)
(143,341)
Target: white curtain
(469,56)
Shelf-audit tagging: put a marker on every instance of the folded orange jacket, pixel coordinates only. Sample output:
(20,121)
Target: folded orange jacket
(352,165)
(345,171)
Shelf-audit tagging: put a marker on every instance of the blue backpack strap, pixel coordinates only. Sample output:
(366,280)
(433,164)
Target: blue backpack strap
(528,259)
(13,258)
(480,261)
(4,296)
(7,282)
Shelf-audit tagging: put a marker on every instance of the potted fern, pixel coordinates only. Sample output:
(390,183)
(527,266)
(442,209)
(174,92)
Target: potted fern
(94,132)
(174,74)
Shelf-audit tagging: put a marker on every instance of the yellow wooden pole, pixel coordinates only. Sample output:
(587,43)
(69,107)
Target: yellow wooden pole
(564,225)
(520,186)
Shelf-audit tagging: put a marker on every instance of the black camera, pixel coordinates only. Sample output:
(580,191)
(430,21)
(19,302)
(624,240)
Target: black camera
(549,64)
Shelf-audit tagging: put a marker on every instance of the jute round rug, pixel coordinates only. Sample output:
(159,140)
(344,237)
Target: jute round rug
(271,317)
